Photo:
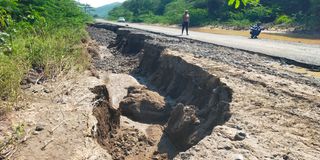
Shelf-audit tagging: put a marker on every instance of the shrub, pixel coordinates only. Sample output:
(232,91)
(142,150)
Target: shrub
(284,19)
(44,34)
(11,73)
(198,17)
(259,13)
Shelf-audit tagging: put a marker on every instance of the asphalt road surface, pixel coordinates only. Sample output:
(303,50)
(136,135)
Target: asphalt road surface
(302,53)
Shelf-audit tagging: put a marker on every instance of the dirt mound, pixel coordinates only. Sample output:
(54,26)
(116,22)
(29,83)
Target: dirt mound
(128,143)
(144,105)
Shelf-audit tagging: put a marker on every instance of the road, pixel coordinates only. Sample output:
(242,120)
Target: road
(302,53)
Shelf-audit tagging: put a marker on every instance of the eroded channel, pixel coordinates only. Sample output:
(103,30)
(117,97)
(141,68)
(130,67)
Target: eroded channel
(160,105)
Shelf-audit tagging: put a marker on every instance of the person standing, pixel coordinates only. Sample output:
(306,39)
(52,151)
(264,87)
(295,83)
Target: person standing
(185,22)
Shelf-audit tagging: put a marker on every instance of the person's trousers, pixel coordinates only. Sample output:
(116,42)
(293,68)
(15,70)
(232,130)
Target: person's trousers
(185,25)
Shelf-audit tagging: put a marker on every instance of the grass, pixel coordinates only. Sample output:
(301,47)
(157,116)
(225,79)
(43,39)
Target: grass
(57,51)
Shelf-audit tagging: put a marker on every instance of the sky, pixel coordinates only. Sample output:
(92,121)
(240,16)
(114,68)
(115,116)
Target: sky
(98,3)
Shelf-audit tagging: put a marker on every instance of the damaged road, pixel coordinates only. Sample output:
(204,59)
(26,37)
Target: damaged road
(151,96)
(260,109)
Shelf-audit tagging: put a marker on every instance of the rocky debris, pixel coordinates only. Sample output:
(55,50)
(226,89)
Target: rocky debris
(144,105)
(109,59)
(34,76)
(128,142)
(102,36)
(158,156)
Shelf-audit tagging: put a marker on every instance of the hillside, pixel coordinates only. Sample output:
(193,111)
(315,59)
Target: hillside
(104,10)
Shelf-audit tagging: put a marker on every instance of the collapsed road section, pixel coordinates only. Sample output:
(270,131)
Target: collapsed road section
(189,103)
(168,97)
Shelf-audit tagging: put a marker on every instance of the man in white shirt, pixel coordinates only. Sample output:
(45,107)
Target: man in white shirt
(185,22)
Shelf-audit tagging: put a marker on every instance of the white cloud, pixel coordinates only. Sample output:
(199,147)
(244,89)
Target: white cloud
(98,3)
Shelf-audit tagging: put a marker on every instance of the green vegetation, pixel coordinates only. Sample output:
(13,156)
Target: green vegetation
(38,34)
(240,13)
(104,10)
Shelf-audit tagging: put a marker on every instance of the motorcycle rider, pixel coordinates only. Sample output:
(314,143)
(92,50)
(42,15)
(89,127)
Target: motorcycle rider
(255,30)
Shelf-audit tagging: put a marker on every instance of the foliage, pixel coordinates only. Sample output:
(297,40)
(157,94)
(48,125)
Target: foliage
(284,19)
(174,11)
(202,12)
(38,33)
(120,11)
(237,3)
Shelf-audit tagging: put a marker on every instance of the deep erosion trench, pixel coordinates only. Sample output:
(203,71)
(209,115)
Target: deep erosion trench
(178,99)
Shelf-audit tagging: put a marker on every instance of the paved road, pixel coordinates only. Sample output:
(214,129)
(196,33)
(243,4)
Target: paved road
(303,53)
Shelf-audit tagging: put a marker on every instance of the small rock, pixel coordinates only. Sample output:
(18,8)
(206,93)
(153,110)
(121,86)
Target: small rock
(39,128)
(227,147)
(35,133)
(46,91)
(240,136)
(67,93)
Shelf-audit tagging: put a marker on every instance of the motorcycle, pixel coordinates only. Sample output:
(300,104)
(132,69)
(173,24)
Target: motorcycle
(255,31)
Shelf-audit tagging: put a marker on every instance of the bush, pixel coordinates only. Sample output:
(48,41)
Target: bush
(44,34)
(151,18)
(284,19)
(11,72)
(259,13)
(198,17)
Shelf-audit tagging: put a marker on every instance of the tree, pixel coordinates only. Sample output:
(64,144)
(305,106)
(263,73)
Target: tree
(237,3)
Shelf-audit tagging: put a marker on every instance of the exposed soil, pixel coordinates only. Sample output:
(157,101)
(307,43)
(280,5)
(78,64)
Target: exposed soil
(150,96)
(272,108)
